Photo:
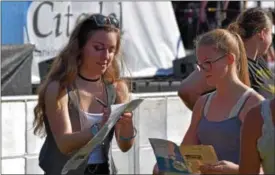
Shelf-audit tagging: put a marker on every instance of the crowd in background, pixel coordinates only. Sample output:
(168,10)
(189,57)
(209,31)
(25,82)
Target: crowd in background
(197,17)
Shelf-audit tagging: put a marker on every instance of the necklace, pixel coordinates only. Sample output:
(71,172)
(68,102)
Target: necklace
(88,79)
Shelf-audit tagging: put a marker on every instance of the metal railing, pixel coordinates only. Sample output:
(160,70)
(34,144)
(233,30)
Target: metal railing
(155,117)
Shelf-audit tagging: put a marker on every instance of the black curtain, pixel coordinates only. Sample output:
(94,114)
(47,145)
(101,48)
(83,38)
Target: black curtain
(16,61)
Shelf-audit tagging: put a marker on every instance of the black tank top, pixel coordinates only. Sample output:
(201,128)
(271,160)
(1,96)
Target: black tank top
(261,78)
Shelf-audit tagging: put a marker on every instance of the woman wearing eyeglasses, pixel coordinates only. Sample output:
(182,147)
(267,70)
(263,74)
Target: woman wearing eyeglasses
(217,117)
(254,26)
(67,111)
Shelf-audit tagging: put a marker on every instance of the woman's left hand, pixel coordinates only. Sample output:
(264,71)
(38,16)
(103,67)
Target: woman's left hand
(221,167)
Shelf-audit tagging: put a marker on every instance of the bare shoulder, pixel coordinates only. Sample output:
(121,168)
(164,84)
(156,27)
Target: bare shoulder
(253,100)
(199,105)
(52,92)
(122,91)
(121,86)
(52,88)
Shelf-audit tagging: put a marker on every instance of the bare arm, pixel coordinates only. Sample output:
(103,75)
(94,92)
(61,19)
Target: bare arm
(192,88)
(124,127)
(202,16)
(225,5)
(251,131)
(253,100)
(59,121)
(203,4)
(191,137)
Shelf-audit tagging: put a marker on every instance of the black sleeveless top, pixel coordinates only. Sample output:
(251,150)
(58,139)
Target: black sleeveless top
(261,78)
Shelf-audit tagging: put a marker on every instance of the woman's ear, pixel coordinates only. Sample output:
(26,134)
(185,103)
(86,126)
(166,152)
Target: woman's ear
(262,34)
(231,58)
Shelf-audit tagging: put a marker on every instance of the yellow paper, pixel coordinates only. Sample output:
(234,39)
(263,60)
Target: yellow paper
(197,155)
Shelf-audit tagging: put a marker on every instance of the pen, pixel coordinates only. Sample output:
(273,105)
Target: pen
(101,102)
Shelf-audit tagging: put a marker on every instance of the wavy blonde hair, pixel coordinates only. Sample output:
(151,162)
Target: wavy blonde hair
(65,67)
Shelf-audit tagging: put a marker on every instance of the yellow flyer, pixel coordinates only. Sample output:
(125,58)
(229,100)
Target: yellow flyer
(197,155)
(172,159)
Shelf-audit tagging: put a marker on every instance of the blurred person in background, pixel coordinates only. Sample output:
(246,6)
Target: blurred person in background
(257,140)
(270,56)
(215,13)
(67,111)
(230,11)
(223,61)
(207,16)
(254,26)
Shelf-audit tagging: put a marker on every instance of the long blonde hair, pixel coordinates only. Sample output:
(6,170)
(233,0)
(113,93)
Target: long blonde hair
(65,67)
(228,42)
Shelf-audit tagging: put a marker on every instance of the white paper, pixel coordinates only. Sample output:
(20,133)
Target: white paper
(116,111)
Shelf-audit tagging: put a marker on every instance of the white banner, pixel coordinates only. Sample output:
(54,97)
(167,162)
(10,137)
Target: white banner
(151,38)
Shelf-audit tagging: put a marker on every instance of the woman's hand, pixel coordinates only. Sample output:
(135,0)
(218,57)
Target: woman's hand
(156,170)
(105,117)
(221,167)
(126,119)
(125,132)
(126,125)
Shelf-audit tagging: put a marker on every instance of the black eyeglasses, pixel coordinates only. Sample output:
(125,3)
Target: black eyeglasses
(101,20)
(207,65)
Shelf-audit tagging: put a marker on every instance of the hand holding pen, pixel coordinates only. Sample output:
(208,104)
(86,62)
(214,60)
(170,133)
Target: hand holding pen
(106,111)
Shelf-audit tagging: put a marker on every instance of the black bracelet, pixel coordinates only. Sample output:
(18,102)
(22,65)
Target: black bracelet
(129,138)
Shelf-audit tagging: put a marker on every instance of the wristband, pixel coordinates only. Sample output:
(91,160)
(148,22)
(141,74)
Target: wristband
(129,138)
(94,129)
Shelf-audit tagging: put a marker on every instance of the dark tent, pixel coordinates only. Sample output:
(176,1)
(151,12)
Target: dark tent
(16,61)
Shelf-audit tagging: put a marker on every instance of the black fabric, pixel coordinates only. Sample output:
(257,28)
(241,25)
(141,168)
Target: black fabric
(233,10)
(16,61)
(261,78)
(92,169)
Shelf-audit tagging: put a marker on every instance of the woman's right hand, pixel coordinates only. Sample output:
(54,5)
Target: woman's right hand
(221,167)
(105,117)
(156,170)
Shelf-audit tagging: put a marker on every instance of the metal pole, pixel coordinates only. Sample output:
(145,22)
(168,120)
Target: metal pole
(218,13)
(121,14)
(100,6)
(259,3)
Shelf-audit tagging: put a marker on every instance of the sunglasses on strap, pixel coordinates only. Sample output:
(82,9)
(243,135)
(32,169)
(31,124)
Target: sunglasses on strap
(101,20)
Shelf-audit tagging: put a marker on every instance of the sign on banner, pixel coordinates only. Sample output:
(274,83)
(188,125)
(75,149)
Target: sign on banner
(150,42)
